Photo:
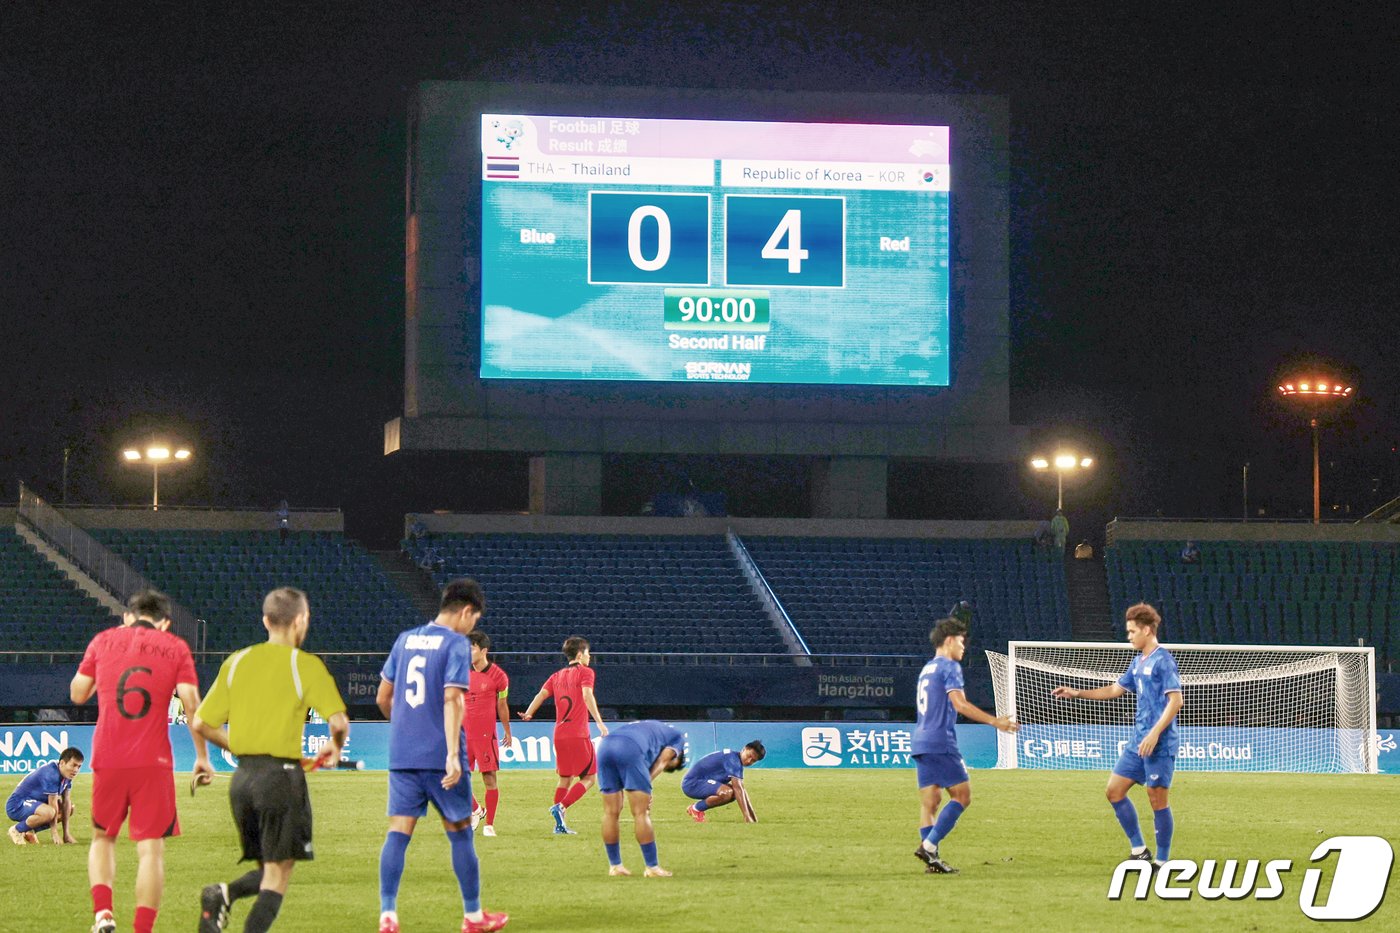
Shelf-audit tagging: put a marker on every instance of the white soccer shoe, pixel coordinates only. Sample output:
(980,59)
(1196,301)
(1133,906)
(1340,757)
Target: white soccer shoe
(488,830)
(656,871)
(104,923)
(617,871)
(478,815)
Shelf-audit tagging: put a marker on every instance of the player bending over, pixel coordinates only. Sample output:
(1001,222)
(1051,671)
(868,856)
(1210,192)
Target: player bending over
(43,800)
(718,779)
(422,694)
(937,762)
(628,759)
(1150,757)
(575,760)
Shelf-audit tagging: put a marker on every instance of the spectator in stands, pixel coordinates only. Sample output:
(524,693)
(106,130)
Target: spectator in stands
(1059,527)
(1190,554)
(1084,551)
(284,520)
(432,560)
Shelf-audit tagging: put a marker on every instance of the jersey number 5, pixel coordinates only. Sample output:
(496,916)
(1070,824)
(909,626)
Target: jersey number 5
(416,687)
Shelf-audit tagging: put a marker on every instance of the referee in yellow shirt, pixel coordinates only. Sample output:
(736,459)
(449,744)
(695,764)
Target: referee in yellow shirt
(262,693)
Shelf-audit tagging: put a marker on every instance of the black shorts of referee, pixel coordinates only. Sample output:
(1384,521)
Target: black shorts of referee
(272,809)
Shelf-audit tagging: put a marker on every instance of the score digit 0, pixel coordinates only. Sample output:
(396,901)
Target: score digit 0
(644,238)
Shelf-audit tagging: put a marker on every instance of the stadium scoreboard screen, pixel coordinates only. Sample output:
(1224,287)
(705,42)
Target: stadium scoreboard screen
(631,249)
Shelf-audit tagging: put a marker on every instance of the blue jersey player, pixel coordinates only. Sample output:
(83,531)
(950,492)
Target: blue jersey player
(718,779)
(423,693)
(628,758)
(938,765)
(43,800)
(1150,757)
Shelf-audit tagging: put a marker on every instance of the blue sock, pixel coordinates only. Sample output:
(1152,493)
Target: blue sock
(22,827)
(1162,820)
(947,819)
(391,868)
(649,854)
(614,852)
(468,871)
(924,831)
(701,805)
(1128,818)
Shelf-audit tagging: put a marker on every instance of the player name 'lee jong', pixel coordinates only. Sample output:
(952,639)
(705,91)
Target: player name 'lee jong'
(719,342)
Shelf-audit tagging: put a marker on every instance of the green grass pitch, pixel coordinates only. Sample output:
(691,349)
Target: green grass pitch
(832,850)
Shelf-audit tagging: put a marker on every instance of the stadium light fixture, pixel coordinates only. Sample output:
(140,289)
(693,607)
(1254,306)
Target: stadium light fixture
(156,454)
(1062,462)
(1314,394)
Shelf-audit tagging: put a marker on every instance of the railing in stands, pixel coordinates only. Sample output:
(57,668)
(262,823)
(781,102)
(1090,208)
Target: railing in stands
(771,603)
(111,572)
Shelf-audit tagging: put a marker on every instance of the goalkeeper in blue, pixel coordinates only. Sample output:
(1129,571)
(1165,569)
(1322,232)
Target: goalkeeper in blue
(937,762)
(1150,757)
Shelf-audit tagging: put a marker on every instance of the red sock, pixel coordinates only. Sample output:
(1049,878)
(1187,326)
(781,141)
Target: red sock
(493,797)
(575,792)
(475,806)
(101,898)
(145,920)
(560,793)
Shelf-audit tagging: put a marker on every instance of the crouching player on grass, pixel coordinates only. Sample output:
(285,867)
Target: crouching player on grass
(718,779)
(1150,757)
(937,762)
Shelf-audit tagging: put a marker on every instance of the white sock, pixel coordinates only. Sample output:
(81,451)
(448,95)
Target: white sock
(1139,850)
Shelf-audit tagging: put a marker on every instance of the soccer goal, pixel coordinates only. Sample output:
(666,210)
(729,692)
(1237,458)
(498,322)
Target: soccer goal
(1247,707)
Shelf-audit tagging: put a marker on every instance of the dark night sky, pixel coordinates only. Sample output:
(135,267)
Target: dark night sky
(202,226)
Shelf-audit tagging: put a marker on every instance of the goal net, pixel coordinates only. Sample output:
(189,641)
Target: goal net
(1246,707)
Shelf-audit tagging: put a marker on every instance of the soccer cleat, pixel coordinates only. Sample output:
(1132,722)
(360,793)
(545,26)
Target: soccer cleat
(619,871)
(104,923)
(925,856)
(696,815)
(388,923)
(17,837)
(478,815)
(488,830)
(940,867)
(31,838)
(1144,856)
(488,923)
(562,830)
(656,871)
(213,908)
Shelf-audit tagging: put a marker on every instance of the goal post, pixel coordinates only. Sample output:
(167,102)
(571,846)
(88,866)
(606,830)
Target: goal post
(1247,707)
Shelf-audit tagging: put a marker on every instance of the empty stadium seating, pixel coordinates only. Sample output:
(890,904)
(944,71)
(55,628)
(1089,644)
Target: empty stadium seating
(881,596)
(40,608)
(1290,593)
(625,593)
(222,576)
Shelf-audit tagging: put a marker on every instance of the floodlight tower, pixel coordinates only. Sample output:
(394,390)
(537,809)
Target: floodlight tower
(1062,462)
(156,454)
(1315,393)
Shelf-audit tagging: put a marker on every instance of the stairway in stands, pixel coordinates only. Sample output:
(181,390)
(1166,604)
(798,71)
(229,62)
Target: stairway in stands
(414,583)
(1090,615)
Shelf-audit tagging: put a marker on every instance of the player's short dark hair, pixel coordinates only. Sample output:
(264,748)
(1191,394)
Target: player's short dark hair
(480,640)
(282,606)
(463,592)
(575,645)
(945,629)
(70,753)
(757,748)
(1144,615)
(150,604)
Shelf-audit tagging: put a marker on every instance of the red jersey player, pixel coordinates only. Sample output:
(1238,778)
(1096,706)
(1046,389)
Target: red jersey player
(133,668)
(486,704)
(574,757)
